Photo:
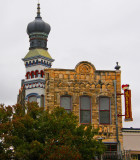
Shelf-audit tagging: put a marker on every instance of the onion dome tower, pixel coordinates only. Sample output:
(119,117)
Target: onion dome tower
(37,59)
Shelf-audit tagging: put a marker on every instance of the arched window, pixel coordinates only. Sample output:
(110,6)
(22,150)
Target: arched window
(36,61)
(33,62)
(32,99)
(42,74)
(30,63)
(104,110)
(26,63)
(28,75)
(36,73)
(41,61)
(85,109)
(32,74)
(66,103)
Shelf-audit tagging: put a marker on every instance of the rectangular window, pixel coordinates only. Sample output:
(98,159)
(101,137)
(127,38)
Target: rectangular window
(85,109)
(104,110)
(65,102)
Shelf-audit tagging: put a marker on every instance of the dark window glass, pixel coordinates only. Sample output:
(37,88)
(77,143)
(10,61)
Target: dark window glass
(85,109)
(104,117)
(36,74)
(42,74)
(84,116)
(65,102)
(111,147)
(32,74)
(104,110)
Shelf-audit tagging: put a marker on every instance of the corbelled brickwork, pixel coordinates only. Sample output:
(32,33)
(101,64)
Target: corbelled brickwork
(86,80)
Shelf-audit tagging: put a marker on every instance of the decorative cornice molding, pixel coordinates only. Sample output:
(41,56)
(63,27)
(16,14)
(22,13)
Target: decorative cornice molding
(36,57)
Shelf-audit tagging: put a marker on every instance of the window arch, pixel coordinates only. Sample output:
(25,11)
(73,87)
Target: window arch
(66,102)
(85,109)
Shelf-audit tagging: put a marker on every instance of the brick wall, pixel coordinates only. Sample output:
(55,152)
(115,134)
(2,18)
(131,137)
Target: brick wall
(86,80)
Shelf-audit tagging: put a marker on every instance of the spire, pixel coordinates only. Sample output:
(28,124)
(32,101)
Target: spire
(38,10)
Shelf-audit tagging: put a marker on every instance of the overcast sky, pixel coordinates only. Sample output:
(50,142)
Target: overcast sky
(102,32)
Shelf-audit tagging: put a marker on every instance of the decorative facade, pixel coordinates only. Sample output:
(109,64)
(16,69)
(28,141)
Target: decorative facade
(93,95)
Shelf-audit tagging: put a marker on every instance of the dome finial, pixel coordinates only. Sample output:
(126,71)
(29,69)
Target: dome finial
(38,10)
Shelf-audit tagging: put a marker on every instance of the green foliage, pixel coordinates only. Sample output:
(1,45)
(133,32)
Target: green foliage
(30,133)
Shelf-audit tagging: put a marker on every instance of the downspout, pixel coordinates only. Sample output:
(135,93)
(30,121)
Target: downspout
(116,113)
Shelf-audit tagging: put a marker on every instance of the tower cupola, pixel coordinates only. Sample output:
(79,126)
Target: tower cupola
(38,31)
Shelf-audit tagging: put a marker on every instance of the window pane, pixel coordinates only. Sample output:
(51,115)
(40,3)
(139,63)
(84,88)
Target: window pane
(104,103)
(85,102)
(33,99)
(84,116)
(42,100)
(104,117)
(111,147)
(66,102)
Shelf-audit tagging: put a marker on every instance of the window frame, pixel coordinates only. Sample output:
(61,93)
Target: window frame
(86,110)
(70,102)
(105,110)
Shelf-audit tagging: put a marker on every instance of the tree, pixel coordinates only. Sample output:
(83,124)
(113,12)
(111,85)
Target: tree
(32,133)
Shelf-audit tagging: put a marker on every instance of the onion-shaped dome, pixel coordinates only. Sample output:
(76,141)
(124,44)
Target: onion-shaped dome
(38,25)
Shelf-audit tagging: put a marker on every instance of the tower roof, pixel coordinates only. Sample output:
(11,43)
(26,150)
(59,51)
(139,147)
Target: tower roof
(37,53)
(38,25)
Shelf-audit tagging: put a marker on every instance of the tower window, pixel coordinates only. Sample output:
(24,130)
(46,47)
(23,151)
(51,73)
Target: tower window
(32,99)
(85,109)
(36,73)
(42,74)
(28,75)
(32,74)
(104,110)
(65,102)
(42,100)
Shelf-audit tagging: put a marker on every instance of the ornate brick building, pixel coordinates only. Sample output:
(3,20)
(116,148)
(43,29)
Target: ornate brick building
(93,95)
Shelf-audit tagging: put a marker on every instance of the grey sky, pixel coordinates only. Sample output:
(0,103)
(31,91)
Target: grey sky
(100,31)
